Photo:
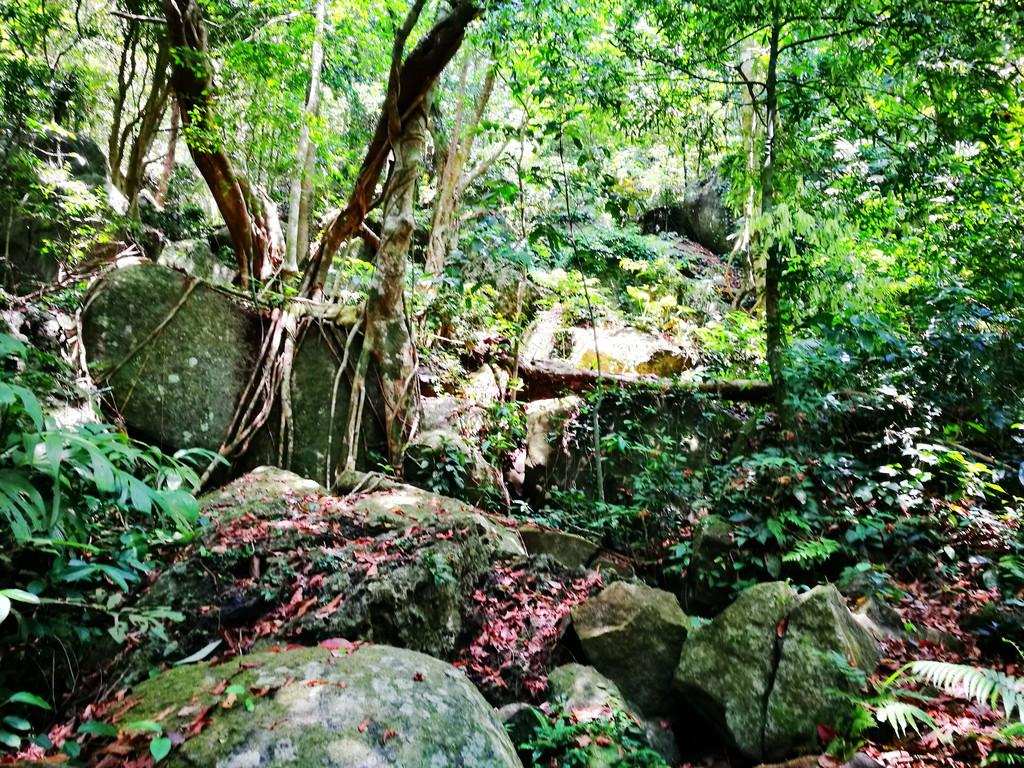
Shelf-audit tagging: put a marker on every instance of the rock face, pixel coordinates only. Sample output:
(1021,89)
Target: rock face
(633,635)
(182,388)
(285,561)
(708,220)
(766,672)
(377,706)
(626,350)
(567,549)
(701,216)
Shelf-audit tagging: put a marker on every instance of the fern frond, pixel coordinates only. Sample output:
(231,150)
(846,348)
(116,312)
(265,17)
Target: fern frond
(985,686)
(902,716)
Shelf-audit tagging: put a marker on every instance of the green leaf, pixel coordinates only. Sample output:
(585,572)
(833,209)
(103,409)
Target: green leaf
(159,748)
(144,725)
(199,655)
(20,596)
(24,697)
(17,723)
(98,728)
(10,740)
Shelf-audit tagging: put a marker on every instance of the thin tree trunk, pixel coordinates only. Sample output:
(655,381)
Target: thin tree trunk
(775,333)
(453,181)
(388,338)
(172,147)
(151,115)
(304,155)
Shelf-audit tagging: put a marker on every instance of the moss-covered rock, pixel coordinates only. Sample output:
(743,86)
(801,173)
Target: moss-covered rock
(768,670)
(726,667)
(588,695)
(565,548)
(809,680)
(377,706)
(633,634)
(177,362)
(285,560)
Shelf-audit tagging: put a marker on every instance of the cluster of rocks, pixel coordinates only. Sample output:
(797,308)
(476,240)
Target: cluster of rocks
(345,607)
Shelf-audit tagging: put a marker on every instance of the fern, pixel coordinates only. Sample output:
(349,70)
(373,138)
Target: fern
(812,551)
(986,686)
(902,716)
(1009,748)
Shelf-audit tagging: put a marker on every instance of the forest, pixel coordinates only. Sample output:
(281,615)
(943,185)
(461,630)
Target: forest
(512,383)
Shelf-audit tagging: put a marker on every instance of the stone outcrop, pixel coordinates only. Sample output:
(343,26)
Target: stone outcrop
(177,361)
(373,706)
(282,560)
(766,672)
(633,634)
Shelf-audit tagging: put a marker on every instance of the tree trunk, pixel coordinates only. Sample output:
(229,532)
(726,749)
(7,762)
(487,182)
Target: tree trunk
(776,340)
(172,147)
(415,79)
(452,182)
(388,336)
(149,122)
(253,231)
(294,249)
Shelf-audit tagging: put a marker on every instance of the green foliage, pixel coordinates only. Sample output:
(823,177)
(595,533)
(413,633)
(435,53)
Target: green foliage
(83,512)
(986,686)
(561,738)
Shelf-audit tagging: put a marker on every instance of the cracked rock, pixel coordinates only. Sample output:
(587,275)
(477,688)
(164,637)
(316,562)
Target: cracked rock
(768,670)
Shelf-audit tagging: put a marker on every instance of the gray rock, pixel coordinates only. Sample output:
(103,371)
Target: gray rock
(821,631)
(708,220)
(182,389)
(633,635)
(567,549)
(767,670)
(375,707)
(285,561)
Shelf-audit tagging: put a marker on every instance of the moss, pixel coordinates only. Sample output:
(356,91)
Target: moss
(377,705)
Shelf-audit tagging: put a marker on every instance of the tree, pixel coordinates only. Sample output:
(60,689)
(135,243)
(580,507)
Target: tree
(251,217)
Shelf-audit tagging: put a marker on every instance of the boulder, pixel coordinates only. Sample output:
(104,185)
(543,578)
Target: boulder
(707,219)
(564,548)
(766,671)
(625,350)
(633,634)
(587,695)
(820,628)
(197,259)
(284,560)
(177,365)
(705,589)
(376,706)
(701,215)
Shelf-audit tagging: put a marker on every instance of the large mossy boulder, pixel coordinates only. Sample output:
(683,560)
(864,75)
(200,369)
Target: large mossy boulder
(177,358)
(769,669)
(702,215)
(376,706)
(633,634)
(283,560)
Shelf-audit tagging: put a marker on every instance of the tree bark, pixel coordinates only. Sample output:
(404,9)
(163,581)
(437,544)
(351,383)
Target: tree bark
(172,147)
(416,77)
(149,122)
(388,332)
(775,341)
(253,232)
(452,181)
(294,249)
